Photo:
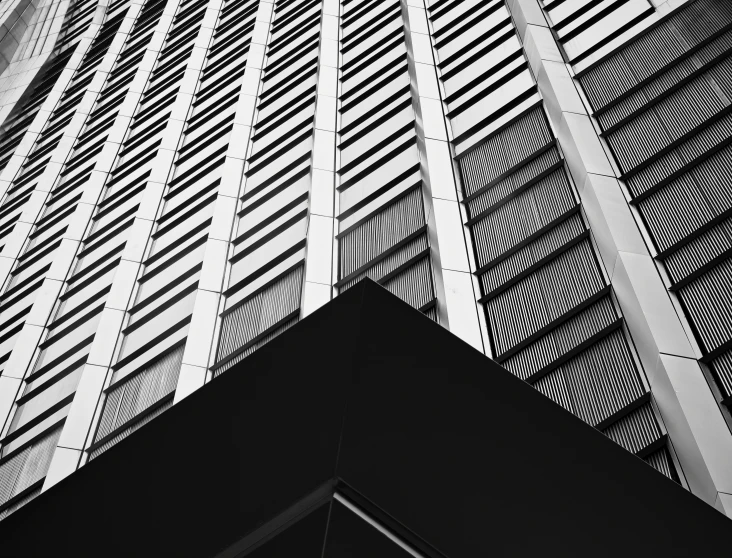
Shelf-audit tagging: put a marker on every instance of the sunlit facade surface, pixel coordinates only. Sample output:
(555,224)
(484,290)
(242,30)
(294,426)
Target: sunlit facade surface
(182,181)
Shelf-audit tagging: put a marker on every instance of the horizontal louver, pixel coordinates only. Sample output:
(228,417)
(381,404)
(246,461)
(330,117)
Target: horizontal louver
(25,468)
(133,396)
(661,461)
(413,285)
(636,431)
(381,232)
(392,262)
(543,296)
(663,102)
(602,380)
(653,51)
(96,452)
(722,367)
(504,150)
(522,216)
(19,503)
(502,188)
(254,346)
(518,261)
(389,248)
(260,312)
(709,303)
(550,314)
(558,342)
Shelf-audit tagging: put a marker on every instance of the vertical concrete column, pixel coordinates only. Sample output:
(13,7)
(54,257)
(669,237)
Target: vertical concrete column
(65,255)
(19,234)
(94,376)
(664,7)
(318,284)
(204,322)
(695,425)
(34,327)
(447,235)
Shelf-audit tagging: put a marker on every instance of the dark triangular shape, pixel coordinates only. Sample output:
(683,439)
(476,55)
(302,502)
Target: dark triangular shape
(435,441)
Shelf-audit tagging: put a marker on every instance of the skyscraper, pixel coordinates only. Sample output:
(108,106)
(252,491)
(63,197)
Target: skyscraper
(185,180)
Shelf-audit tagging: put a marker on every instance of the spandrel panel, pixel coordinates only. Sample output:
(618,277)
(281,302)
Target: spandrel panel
(45,399)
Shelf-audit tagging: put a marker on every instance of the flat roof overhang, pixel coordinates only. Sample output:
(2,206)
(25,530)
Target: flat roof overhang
(370,401)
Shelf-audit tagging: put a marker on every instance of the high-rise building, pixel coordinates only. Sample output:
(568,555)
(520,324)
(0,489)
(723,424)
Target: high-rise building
(184,180)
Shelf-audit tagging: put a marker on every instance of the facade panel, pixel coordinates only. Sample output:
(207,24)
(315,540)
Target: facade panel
(183,181)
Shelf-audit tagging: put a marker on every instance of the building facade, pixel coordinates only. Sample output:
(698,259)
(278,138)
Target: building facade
(183,180)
